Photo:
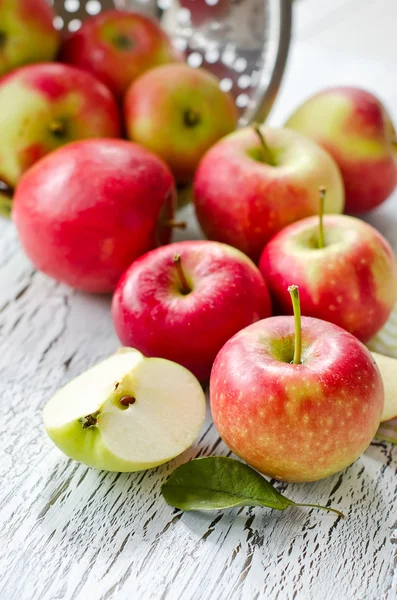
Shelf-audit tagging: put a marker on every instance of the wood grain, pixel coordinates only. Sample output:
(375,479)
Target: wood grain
(73,533)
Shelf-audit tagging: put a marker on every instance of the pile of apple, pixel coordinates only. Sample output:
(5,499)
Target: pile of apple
(299,399)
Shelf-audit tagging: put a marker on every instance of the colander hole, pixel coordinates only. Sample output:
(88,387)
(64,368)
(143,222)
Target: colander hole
(74,25)
(244,81)
(164,4)
(242,100)
(58,22)
(93,7)
(240,64)
(211,56)
(72,6)
(194,60)
(226,84)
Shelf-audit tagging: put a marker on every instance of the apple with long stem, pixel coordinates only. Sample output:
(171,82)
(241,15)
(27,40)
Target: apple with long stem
(297,398)
(85,212)
(185,300)
(257,180)
(43,107)
(127,413)
(355,128)
(345,269)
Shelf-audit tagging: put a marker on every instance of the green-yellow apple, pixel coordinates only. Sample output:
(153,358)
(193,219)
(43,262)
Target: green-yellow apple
(128,413)
(355,128)
(85,212)
(185,300)
(345,269)
(178,112)
(388,370)
(116,46)
(256,181)
(27,33)
(43,107)
(297,402)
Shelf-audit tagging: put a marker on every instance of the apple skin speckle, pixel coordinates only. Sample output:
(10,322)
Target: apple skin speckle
(292,431)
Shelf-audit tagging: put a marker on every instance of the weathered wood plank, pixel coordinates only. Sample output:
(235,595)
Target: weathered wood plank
(72,532)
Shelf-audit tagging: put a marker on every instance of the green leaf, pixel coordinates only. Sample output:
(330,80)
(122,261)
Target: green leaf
(217,482)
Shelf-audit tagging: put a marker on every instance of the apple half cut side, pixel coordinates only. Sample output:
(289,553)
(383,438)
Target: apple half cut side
(388,370)
(127,413)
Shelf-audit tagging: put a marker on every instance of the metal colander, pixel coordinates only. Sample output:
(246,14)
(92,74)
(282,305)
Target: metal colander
(243,42)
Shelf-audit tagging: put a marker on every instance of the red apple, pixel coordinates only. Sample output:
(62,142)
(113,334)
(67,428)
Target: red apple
(301,420)
(247,189)
(27,33)
(354,127)
(179,112)
(86,211)
(117,46)
(184,301)
(346,272)
(203,12)
(43,107)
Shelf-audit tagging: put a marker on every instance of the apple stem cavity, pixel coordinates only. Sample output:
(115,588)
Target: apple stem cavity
(266,152)
(184,285)
(3,39)
(123,42)
(191,117)
(294,293)
(327,508)
(57,128)
(321,240)
(175,224)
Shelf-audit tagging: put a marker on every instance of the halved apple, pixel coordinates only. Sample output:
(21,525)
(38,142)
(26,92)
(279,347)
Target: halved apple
(127,413)
(388,370)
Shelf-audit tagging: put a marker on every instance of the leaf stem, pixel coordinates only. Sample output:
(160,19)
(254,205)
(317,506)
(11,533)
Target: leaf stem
(184,285)
(320,241)
(267,153)
(327,508)
(294,292)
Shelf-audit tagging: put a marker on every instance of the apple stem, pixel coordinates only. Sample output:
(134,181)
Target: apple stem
(294,292)
(321,241)
(184,285)
(327,508)
(267,153)
(175,224)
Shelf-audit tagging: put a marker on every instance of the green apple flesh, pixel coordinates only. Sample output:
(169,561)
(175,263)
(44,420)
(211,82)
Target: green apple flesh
(388,370)
(127,413)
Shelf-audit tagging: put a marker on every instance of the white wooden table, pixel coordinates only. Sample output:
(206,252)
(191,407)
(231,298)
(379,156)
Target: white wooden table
(69,532)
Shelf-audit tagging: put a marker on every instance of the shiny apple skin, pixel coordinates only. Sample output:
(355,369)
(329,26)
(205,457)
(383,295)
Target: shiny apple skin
(94,47)
(243,201)
(151,314)
(354,127)
(35,97)
(86,211)
(296,422)
(155,107)
(351,282)
(28,33)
